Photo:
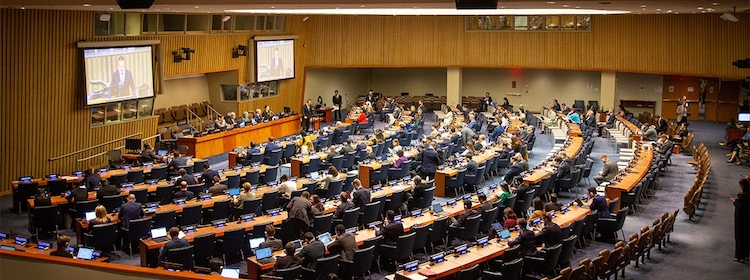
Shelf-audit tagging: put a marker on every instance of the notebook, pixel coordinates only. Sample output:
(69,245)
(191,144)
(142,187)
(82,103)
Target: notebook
(159,234)
(325,238)
(233,273)
(85,253)
(264,255)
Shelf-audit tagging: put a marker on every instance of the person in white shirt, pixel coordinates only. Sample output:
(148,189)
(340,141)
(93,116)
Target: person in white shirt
(396,146)
(286,187)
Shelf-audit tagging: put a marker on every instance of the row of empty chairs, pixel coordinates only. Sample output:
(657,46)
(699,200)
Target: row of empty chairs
(702,163)
(178,113)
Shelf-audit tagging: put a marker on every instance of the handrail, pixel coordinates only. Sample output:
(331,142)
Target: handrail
(190,117)
(94,147)
(212,110)
(99,154)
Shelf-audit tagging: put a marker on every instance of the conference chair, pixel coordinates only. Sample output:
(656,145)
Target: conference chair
(492,275)
(522,209)
(165,194)
(135,176)
(488,217)
(439,232)
(401,252)
(271,175)
(232,243)
(251,206)
(204,246)
(253,176)
(360,265)
(423,201)
(141,195)
(347,187)
(471,273)
(188,168)
(589,226)
(254,158)
(45,218)
(334,188)
(102,237)
(395,201)
(322,268)
(220,210)
(399,172)
(233,181)
(338,162)
(197,189)
(565,231)
(421,237)
(82,207)
(456,182)
(466,233)
(182,256)
(512,270)
(350,160)
(312,166)
(114,158)
(568,246)
(577,229)
(322,223)
(191,215)
(158,172)
(349,218)
(137,229)
(111,202)
(543,265)
(613,225)
(288,153)
(270,200)
(259,230)
(57,187)
(381,175)
(166,219)
(118,179)
(273,158)
(293,272)
(370,214)
(474,180)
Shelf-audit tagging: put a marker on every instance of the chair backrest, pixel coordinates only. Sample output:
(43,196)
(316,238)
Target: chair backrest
(335,187)
(166,219)
(183,256)
(196,189)
(422,236)
(220,210)
(350,160)
(512,270)
(85,206)
(233,181)
(426,199)
(314,164)
(270,200)
(404,246)
(471,273)
(371,212)
(439,229)
(45,217)
(350,217)
(158,172)
(613,205)
(511,200)
(139,228)
(135,176)
(289,273)
(274,157)
(118,179)
(251,206)
(289,150)
(256,157)
(322,223)
(111,202)
(471,228)
(234,241)
(568,245)
(191,215)
(492,275)
(165,194)
(252,176)
(511,253)
(347,187)
(57,187)
(338,162)
(488,217)
(362,261)
(271,174)
(394,201)
(104,236)
(327,265)
(259,230)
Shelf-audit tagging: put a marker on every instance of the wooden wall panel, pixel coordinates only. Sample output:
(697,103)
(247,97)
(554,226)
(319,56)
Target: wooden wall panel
(681,85)
(729,96)
(712,99)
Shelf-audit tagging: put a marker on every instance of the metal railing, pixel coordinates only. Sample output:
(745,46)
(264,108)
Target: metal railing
(94,147)
(192,117)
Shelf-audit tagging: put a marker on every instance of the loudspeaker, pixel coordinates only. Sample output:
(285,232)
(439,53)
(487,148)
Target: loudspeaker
(135,4)
(476,4)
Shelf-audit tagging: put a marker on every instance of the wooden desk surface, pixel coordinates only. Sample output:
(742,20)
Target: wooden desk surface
(31,248)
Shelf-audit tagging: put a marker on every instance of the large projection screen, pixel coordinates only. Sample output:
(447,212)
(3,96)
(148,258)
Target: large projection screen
(274,60)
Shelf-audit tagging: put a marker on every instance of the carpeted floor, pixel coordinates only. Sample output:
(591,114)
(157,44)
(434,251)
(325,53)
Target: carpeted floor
(700,249)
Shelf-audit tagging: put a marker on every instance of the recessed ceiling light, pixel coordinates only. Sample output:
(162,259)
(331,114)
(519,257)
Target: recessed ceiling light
(578,7)
(502,7)
(566,5)
(87,5)
(23,8)
(669,11)
(704,11)
(643,6)
(111,8)
(196,7)
(715,3)
(550,2)
(658,10)
(362,6)
(273,7)
(700,8)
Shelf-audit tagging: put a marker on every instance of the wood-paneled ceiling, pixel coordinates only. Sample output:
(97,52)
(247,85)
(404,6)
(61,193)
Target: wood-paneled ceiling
(219,6)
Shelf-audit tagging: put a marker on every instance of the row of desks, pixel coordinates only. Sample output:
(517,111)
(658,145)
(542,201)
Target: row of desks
(641,163)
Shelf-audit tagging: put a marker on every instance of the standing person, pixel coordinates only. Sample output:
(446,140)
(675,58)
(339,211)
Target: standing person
(277,65)
(299,213)
(122,84)
(683,111)
(486,101)
(742,221)
(430,161)
(361,196)
(337,101)
(307,114)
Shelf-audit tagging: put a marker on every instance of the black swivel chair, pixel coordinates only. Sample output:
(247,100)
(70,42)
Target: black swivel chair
(543,265)
(165,194)
(191,215)
(471,273)
(323,267)
(220,210)
(136,230)
(233,243)
(402,250)
(290,273)
(136,176)
(166,219)
(466,233)
(112,202)
(360,265)
(79,211)
(182,256)
(45,218)
(322,223)
(141,195)
(102,237)
(270,200)
(204,246)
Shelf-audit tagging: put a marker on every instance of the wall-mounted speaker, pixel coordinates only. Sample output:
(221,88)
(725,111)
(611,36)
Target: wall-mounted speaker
(135,4)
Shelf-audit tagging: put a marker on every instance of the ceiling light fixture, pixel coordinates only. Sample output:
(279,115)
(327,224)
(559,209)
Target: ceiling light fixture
(87,5)
(226,18)
(434,11)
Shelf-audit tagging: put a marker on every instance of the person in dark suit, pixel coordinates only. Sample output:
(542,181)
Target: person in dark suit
(130,210)
(78,194)
(361,196)
(337,103)
(345,244)
(107,190)
(149,154)
(525,238)
(666,145)
(217,188)
(742,221)
(184,192)
(430,161)
(505,152)
(267,113)
(555,105)
(390,230)
(486,101)
(277,65)
(563,169)
(661,124)
(461,219)
(338,131)
(184,177)
(270,147)
(288,260)
(177,161)
(312,251)
(471,167)
(345,205)
(253,149)
(552,205)
(347,147)
(484,205)
(599,203)
(608,172)
(307,114)
(208,174)
(589,120)
(122,83)
(91,179)
(63,241)
(551,234)
(174,243)
(520,188)
(370,97)
(515,169)
(271,242)
(299,212)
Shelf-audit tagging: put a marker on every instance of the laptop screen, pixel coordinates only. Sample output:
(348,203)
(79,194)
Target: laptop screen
(504,234)
(325,238)
(255,242)
(162,152)
(314,175)
(85,253)
(234,191)
(90,216)
(233,273)
(263,253)
(9,248)
(497,226)
(159,232)
(437,208)
(297,243)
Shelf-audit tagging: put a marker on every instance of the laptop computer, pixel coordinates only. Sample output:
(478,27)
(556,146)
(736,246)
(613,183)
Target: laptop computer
(297,245)
(90,216)
(85,253)
(232,273)
(159,234)
(161,152)
(504,234)
(438,209)
(325,238)
(497,226)
(265,255)
(255,243)
(314,175)
(234,191)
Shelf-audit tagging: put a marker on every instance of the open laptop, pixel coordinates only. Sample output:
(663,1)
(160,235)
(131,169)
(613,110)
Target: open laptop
(504,234)
(265,255)
(85,253)
(297,245)
(234,191)
(314,175)
(233,273)
(437,210)
(161,152)
(159,234)
(325,238)
(255,243)
(90,216)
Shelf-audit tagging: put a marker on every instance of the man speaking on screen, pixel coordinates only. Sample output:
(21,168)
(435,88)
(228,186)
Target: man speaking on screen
(122,81)
(277,66)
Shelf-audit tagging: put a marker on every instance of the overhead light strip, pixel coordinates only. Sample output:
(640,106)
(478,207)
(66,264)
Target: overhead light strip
(430,12)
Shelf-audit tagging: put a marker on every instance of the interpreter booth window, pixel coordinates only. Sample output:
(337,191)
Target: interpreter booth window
(129,110)
(113,113)
(122,111)
(145,107)
(528,23)
(249,91)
